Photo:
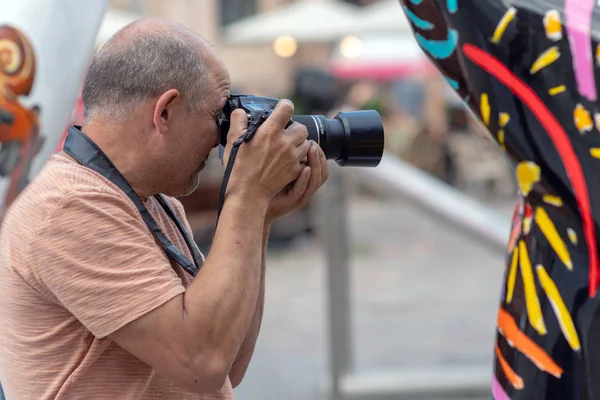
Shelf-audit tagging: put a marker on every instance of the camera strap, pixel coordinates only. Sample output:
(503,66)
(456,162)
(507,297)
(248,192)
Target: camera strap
(88,154)
(252,128)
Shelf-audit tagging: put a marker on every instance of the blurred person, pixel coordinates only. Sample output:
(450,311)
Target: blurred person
(91,305)
(427,150)
(400,126)
(315,91)
(458,125)
(360,94)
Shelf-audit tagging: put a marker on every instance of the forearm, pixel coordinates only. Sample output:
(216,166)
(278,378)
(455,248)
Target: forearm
(220,304)
(247,349)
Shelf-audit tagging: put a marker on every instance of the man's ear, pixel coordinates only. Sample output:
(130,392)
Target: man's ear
(163,111)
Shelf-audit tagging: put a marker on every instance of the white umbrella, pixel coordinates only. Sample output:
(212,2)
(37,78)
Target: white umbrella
(379,57)
(306,21)
(384,16)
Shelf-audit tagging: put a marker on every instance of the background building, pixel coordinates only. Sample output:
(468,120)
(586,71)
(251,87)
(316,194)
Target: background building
(254,67)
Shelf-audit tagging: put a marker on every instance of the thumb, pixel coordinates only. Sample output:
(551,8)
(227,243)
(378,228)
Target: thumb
(238,123)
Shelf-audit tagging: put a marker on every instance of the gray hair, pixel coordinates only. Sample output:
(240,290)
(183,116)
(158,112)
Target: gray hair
(121,76)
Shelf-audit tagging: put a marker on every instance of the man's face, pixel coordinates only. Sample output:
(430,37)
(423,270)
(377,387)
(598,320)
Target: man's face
(198,133)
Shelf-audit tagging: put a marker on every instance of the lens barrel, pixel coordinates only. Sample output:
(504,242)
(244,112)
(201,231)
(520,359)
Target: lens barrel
(353,139)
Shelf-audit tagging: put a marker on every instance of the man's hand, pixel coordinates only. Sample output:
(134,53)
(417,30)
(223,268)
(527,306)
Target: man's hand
(272,159)
(312,177)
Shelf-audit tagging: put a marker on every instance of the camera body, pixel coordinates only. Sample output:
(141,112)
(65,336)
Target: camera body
(254,106)
(351,138)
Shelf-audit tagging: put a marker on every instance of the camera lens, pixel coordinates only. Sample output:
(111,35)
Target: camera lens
(353,139)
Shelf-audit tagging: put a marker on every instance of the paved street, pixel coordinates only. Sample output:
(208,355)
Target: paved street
(423,295)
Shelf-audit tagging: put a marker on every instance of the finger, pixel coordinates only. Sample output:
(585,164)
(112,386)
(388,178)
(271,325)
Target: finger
(281,115)
(314,161)
(303,150)
(324,166)
(301,183)
(315,164)
(313,182)
(238,124)
(298,133)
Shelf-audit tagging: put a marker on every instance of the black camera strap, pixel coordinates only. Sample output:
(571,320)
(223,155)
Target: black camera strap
(252,128)
(88,154)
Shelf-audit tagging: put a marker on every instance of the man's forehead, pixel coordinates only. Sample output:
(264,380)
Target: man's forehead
(214,63)
(220,79)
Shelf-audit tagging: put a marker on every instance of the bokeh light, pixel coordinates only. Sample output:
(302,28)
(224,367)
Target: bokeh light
(285,46)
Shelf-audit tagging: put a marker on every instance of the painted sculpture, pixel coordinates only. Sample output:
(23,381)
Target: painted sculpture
(19,125)
(529,69)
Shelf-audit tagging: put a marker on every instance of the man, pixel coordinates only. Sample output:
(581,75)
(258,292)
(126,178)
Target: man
(91,306)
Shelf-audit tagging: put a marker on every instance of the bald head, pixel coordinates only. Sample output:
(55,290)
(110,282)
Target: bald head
(142,61)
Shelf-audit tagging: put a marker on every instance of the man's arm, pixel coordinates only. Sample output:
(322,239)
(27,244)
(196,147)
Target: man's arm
(285,202)
(197,335)
(240,366)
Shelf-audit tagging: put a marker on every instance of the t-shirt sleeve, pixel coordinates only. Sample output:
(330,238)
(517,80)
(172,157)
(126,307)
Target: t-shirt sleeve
(94,256)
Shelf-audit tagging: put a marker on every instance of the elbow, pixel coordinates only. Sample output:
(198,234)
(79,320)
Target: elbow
(238,370)
(209,373)
(236,379)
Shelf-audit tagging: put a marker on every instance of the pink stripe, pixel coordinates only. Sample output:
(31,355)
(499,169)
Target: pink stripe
(497,392)
(578,15)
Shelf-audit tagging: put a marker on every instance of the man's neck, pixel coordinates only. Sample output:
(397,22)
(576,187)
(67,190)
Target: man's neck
(117,143)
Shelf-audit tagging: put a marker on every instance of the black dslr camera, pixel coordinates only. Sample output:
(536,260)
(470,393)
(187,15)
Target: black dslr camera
(351,138)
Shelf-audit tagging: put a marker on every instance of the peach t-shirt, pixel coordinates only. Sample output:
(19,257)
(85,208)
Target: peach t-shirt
(77,263)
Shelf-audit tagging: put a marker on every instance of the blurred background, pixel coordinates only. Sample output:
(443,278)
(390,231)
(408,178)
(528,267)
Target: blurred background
(386,285)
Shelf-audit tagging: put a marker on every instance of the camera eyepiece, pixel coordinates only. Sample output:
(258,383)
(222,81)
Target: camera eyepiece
(354,139)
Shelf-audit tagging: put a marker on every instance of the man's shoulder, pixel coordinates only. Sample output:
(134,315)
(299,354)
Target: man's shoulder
(176,205)
(61,181)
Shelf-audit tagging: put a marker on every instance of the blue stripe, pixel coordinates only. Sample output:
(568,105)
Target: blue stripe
(419,23)
(452,5)
(439,49)
(452,82)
